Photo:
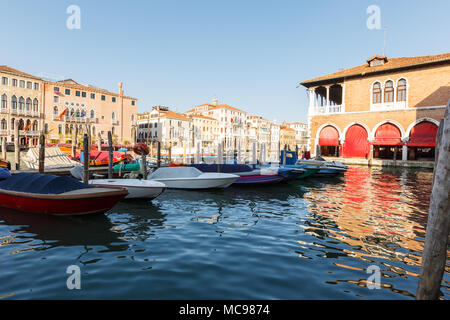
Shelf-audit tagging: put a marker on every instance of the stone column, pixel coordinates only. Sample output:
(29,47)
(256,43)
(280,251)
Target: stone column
(404,152)
(328,99)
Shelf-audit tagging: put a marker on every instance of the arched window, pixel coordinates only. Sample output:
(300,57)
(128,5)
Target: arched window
(13,121)
(4,124)
(389,91)
(4,102)
(113,131)
(55,111)
(46,128)
(93,131)
(35,125)
(21,103)
(14,102)
(401,90)
(28,104)
(72,112)
(35,105)
(60,129)
(92,114)
(113,116)
(376,92)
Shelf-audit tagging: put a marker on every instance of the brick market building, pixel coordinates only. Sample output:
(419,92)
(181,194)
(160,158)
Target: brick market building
(385,108)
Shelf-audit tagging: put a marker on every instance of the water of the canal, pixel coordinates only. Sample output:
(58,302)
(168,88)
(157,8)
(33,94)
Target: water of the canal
(312,239)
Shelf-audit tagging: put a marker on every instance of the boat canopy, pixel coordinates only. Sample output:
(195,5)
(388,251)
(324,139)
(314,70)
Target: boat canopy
(224,168)
(41,183)
(175,172)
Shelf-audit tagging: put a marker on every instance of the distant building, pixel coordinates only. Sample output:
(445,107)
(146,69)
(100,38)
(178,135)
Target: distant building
(301,134)
(384,107)
(21,100)
(69,104)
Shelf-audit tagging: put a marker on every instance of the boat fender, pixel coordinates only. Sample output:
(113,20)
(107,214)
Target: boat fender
(141,148)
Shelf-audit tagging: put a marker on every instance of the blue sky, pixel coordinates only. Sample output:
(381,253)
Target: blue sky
(251,54)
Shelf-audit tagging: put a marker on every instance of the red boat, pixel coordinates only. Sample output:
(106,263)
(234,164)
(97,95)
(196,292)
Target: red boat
(56,195)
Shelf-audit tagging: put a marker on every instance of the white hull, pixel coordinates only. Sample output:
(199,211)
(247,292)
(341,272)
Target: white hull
(205,181)
(137,189)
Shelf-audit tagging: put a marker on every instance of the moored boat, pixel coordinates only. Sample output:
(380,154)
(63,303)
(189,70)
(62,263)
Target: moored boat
(56,195)
(137,189)
(248,175)
(191,178)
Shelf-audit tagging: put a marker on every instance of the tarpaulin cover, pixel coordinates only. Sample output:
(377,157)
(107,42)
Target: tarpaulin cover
(4,174)
(423,135)
(41,183)
(329,136)
(101,157)
(175,172)
(388,135)
(224,168)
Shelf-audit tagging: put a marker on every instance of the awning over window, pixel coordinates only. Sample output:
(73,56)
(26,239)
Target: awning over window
(329,136)
(423,135)
(388,135)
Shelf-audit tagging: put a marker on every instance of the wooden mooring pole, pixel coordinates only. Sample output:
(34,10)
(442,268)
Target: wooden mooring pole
(41,153)
(16,145)
(158,161)
(86,151)
(438,226)
(110,155)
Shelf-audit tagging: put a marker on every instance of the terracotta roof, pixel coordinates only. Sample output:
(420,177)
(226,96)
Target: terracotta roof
(226,106)
(390,64)
(175,115)
(67,83)
(201,116)
(17,72)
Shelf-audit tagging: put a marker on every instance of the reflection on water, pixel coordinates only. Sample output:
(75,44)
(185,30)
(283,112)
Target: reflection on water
(311,239)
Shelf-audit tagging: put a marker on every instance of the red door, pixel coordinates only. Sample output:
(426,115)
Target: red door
(356,144)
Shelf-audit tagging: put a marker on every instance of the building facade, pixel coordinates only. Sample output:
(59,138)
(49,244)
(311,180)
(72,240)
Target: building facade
(70,105)
(385,108)
(21,97)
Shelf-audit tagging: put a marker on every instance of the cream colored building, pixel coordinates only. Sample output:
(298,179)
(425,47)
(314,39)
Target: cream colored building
(21,99)
(232,122)
(70,105)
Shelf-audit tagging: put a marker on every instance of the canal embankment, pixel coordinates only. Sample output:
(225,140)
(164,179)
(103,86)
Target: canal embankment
(383,162)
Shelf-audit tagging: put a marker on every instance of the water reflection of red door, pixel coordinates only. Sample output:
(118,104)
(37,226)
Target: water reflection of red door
(356,144)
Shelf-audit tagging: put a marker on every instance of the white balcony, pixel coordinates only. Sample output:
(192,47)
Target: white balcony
(115,122)
(4,110)
(329,109)
(4,132)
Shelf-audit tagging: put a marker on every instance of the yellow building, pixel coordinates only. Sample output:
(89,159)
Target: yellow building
(21,101)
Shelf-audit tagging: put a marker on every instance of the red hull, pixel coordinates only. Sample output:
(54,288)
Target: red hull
(60,205)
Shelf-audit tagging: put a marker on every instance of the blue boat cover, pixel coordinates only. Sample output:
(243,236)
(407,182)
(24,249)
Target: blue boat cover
(224,168)
(41,183)
(4,174)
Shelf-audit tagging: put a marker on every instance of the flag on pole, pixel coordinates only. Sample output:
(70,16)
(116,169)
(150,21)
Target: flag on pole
(63,113)
(28,127)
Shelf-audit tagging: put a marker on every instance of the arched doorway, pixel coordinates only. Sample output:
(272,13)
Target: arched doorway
(422,141)
(356,144)
(388,139)
(329,141)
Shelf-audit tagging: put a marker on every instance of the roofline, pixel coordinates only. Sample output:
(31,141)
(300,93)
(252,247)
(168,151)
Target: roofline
(62,83)
(310,83)
(20,73)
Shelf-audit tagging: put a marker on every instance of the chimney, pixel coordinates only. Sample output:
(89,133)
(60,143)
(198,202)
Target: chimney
(120,89)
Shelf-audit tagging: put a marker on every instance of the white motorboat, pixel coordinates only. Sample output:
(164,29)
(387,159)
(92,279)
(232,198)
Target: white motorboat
(327,168)
(137,189)
(191,178)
